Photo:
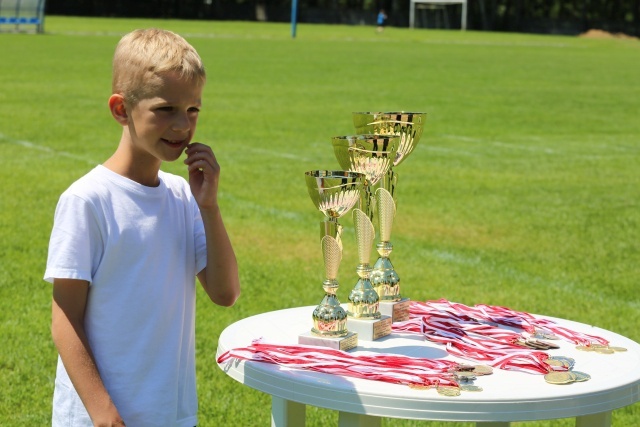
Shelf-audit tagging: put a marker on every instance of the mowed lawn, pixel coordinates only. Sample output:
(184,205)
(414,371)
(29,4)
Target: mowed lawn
(524,190)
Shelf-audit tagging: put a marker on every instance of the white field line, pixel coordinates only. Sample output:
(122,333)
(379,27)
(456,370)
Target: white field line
(266,209)
(454,151)
(545,150)
(275,153)
(43,148)
(340,39)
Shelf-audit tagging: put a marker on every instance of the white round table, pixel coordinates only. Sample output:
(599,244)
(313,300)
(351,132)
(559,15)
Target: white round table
(507,396)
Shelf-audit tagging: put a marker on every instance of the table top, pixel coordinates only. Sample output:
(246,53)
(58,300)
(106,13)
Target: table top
(506,395)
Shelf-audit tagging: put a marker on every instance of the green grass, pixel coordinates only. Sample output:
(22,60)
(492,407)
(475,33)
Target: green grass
(524,190)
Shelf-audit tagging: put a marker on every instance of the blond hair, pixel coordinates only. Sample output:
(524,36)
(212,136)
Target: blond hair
(143,56)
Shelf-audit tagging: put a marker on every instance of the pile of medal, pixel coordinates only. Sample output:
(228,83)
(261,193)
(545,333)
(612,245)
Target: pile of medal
(601,349)
(463,375)
(564,377)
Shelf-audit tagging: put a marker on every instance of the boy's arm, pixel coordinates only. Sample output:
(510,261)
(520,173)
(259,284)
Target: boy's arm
(220,277)
(67,330)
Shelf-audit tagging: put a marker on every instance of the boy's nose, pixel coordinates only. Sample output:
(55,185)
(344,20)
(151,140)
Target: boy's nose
(181,123)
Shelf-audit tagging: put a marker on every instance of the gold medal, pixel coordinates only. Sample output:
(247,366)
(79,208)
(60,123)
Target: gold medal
(584,348)
(469,387)
(618,349)
(565,377)
(603,350)
(483,370)
(448,391)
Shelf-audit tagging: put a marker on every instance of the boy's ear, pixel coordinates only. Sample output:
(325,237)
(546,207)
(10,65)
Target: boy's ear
(118,109)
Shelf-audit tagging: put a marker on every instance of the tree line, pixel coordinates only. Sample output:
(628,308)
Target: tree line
(536,16)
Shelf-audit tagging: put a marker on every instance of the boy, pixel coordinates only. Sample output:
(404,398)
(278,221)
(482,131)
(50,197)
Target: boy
(127,243)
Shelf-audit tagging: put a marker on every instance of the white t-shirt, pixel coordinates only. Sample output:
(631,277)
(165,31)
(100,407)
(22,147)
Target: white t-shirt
(140,248)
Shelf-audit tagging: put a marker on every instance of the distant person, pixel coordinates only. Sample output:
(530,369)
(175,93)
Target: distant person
(382,21)
(128,241)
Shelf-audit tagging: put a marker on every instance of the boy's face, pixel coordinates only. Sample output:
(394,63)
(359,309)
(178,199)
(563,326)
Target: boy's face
(163,124)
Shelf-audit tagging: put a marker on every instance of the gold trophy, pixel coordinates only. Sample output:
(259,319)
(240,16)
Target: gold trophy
(408,126)
(371,155)
(334,193)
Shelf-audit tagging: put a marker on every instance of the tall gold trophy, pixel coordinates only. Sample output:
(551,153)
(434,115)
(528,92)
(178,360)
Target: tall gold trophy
(371,155)
(334,193)
(408,126)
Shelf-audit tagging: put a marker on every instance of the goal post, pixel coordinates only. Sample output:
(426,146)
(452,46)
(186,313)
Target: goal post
(18,14)
(414,3)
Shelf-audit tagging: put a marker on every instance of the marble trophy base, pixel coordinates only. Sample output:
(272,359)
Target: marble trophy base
(370,329)
(345,343)
(397,310)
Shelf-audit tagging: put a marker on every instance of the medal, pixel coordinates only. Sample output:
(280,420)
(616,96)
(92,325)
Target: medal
(448,391)
(483,370)
(465,376)
(567,362)
(581,376)
(555,377)
(469,387)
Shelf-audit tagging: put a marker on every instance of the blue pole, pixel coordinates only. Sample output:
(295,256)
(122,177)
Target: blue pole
(294,17)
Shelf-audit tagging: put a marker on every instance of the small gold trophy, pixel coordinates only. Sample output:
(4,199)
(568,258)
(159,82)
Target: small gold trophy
(408,126)
(334,193)
(371,155)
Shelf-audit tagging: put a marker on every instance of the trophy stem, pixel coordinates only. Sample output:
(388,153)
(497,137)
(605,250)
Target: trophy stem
(329,318)
(363,299)
(367,201)
(384,278)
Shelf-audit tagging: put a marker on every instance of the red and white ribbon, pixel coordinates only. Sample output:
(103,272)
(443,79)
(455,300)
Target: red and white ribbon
(381,367)
(466,338)
(506,317)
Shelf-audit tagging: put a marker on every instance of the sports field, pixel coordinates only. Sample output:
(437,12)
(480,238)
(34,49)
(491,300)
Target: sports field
(524,190)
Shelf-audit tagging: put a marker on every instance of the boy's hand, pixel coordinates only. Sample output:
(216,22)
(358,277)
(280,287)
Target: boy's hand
(204,172)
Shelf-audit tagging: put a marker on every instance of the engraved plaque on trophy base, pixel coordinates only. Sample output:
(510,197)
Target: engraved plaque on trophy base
(397,310)
(370,329)
(345,343)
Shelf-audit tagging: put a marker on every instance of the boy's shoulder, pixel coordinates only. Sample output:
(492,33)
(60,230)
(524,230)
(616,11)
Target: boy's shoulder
(91,182)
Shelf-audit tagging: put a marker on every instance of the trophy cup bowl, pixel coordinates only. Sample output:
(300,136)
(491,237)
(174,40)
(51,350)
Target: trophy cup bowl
(334,193)
(369,154)
(407,125)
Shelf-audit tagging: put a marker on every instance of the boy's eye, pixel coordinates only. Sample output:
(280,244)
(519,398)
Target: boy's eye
(165,108)
(194,110)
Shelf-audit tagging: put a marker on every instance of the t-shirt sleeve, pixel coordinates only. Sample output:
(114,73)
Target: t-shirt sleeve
(75,246)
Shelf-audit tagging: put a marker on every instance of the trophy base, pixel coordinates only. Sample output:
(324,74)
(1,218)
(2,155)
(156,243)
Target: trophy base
(345,343)
(370,330)
(397,310)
